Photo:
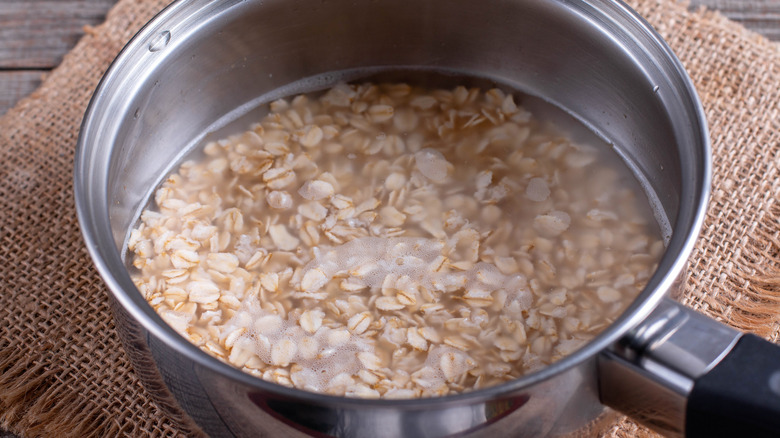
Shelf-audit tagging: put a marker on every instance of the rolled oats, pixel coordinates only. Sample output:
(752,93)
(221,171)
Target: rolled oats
(389,241)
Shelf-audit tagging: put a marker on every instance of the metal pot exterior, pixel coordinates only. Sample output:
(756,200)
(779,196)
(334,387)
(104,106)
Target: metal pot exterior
(201,64)
(194,395)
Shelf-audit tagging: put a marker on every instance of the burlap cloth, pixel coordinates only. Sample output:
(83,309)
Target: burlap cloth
(62,368)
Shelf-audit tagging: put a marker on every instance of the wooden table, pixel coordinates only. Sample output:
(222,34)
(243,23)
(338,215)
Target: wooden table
(35,34)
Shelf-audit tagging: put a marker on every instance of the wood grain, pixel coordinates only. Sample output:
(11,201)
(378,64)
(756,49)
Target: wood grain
(37,33)
(762,16)
(15,85)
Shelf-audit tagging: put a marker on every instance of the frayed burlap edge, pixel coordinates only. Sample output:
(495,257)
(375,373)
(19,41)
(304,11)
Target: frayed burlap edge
(35,405)
(62,371)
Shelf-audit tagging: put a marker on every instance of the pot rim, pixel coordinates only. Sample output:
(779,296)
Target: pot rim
(91,209)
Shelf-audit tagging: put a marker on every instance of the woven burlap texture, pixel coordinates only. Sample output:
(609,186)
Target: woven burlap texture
(62,369)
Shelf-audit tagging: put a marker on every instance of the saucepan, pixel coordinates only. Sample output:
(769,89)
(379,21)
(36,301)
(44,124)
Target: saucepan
(200,63)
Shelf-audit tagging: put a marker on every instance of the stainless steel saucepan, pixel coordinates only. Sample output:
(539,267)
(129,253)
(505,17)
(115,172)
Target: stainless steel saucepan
(200,63)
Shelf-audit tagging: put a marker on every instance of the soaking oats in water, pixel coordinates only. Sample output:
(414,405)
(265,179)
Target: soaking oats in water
(393,241)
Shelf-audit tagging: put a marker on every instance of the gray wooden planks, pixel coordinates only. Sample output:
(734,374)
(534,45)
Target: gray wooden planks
(34,36)
(15,85)
(762,16)
(37,33)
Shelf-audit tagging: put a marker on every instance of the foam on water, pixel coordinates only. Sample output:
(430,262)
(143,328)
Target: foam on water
(371,260)
(330,355)
(431,164)
(322,355)
(327,353)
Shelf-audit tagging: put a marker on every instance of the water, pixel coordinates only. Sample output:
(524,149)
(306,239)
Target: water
(566,239)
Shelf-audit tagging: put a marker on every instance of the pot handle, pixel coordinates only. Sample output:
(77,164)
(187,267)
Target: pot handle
(740,396)
(684,374)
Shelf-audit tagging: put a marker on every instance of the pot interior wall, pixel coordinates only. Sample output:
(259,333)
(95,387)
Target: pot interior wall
(202,63)
(223,59)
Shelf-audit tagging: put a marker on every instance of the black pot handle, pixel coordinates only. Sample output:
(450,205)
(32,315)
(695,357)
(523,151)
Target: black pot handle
(684,374)
(740,396)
